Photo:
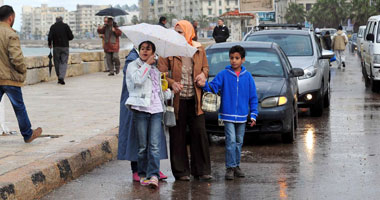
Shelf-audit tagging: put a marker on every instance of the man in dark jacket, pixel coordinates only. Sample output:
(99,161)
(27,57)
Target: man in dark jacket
(59,36)
(221,32)
(162,22)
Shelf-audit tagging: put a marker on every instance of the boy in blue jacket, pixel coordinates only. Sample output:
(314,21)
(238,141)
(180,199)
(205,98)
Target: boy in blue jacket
(238,94)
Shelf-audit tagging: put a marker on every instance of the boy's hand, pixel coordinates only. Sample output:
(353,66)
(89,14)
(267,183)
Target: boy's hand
(253,122)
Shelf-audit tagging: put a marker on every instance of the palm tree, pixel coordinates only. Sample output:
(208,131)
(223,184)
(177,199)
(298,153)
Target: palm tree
(295,14)
(203,21)
(361,10)
(329,13)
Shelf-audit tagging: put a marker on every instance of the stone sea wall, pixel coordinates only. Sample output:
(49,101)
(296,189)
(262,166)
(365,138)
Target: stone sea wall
(78,64)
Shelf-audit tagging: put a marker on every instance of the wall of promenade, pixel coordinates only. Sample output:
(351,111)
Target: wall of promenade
(78,64)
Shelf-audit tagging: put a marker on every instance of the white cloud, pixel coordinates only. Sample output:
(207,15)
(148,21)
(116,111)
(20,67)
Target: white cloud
(68,4)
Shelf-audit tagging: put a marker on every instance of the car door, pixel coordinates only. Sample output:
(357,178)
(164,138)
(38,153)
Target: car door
(367,46)
(323,63)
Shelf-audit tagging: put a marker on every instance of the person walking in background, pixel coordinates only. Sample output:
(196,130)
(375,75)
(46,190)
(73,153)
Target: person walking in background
(13,72)
(234,117)
(102,36)
(339,43)
(111,45)
(162,21)
(59,36)
(127,143)
(187,108)
(195,25)
(327,40)
(221,32)
(146,99)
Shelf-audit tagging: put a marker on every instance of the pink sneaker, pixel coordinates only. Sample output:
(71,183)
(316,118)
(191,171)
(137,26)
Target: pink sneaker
(135,177)
(163,176)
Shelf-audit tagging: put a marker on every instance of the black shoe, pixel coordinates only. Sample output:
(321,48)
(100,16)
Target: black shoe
(238,172)
(117,70)
(344,64)
(111,74)
(204,178)
(182,178)
(107,70)
(61,81)
(229,174)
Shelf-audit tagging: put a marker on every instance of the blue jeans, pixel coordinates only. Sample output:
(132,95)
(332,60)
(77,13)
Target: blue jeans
(148,128)
(15,96)
(234,142)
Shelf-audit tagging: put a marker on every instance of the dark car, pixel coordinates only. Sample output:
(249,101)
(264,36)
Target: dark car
(276,84)
(352,42)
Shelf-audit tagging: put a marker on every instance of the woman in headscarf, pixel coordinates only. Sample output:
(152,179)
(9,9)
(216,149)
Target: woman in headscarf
(184,72)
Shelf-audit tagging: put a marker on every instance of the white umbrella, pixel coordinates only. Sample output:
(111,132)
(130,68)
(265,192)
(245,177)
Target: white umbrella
(168,42)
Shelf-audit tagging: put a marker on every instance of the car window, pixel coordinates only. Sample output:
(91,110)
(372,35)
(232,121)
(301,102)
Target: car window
(369,24)
(292,45)
(319,46)
(288,66)
(360,33)
(378,34)
(258,61)
(372,30)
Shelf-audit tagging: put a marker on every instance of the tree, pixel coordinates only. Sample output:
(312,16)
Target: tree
(134,20)
(121,21)
(361,10)
(295,14)
(329,13)
(188,18)
(203,21)
(169,17)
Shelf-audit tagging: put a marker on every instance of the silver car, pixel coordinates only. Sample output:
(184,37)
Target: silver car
(304,50)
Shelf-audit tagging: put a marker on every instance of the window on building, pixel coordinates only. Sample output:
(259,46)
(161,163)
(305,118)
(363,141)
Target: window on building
(191,10)
(209,3)
(220,11)
(236,2)
(308,6)
(160,10)
(228,9)
(220,3)
(209,11)
(228,2)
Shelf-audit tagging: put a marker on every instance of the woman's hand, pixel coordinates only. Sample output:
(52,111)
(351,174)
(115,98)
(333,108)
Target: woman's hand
(151,60)
(177,87)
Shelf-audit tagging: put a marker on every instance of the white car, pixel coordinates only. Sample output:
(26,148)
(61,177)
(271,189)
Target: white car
(371,53)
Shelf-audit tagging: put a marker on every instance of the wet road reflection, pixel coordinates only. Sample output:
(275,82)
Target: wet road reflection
(335,156)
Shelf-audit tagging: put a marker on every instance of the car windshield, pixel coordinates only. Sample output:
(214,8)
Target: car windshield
(293,45)
(260,62)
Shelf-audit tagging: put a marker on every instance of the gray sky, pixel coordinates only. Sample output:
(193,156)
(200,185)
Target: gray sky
(68,4)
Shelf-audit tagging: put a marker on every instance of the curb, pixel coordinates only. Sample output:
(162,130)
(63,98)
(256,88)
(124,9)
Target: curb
(35,180)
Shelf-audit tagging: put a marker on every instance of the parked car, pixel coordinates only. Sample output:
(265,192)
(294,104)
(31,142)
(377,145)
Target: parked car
(276,85)
(331,30)
(371,53)
(352,42)
(359,42)
(304,50)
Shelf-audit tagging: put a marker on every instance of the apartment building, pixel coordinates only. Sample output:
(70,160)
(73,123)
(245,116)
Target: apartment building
(86,21)
(36,21)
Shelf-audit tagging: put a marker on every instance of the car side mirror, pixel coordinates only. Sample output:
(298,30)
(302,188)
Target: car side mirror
(370,37)
(327,54)
(296,72)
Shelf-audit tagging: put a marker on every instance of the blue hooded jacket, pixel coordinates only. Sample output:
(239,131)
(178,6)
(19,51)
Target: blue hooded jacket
(238,95)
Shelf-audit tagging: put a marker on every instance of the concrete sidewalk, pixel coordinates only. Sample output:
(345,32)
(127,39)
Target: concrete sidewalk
(79,122)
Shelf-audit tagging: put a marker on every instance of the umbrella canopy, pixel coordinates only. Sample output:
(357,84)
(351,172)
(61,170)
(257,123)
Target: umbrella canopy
(50,62)
(111,12)
(167,41)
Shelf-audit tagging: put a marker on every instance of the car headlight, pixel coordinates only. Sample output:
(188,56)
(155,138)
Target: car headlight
(273,102)
(376,59)
(309,72)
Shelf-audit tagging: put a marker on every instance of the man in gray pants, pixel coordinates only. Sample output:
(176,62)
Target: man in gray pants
(59,36)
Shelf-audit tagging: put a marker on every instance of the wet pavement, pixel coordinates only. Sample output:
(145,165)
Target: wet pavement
(335,156)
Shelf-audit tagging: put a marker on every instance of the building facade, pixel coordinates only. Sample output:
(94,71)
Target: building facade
(86,21)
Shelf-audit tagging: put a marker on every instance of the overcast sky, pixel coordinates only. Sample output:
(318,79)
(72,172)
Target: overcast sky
(68,4)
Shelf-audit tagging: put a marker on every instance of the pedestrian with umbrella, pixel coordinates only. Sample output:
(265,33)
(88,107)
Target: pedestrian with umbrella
(185,72)
(111,34)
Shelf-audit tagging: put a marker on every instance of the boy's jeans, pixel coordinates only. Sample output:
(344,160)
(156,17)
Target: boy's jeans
(234,141)
(15,96)
(148,128)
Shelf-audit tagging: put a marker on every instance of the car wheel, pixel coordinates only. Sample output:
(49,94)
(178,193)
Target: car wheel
(316,110)
(327,96)
(365,75)
(289,137)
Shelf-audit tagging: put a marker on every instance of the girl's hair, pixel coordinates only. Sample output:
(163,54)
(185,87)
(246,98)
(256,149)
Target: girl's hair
(149,44)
